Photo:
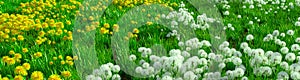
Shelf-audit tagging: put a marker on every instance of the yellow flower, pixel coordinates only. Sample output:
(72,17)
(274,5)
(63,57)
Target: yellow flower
(54,58)
(11,52)
(69,58)
(42,34)
(18,77)
(149,23)
(71,63)
(10,61)
(54,77)
(20,70)
(20,38)
(62,62)
(13,39)
(5,58)
(60,57)
(7,31)
(66,74)
(116,27)
(39,42)
(26,66)
(103,30)
(51,63)
(37,75)
(135,30)
(5,78)
(24,50)
(18,56)
(5,36)
(106,25)
(91,18)
(68,22)
(38,54)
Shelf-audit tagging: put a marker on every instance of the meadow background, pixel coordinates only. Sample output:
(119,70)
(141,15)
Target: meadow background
(262,40)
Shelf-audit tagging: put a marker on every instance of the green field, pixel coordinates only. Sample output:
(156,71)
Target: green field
(149,39)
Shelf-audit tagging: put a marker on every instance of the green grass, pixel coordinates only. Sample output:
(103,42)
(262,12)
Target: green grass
(151,35)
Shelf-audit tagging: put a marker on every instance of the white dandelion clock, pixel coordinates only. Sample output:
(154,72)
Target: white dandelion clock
(295,47)
(297,23)
(244,78)
(116,68)
(249,37)
(297,40)
(189,76)
(290,57)
(244,45)
(138,69)
(237,61)
(295,75)
(132,57)
(239,72)
(282,34)
(226,13)
(284,65)
(275,33)
(284,50)
(290,32)
(116,77)
(250,22)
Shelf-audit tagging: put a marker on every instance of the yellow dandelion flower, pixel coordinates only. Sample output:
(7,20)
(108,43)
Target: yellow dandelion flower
(10,61)
(13,39)
(45,25)
(62,62)
(106,25)
(18,60)
(60,56)
(18,77)
(103,30)
(37,75)
(5,78)
(39,42)
(24,73)
(42,33)
(149,23)
(66,74)
(69,58)
(54,77)
(135,30)
(71,63)
(59,25)
(26,66)
(54,58)
(135,35)
(20,38)
(91,18)
(24,50)
(116,27)
(38,54)
(19,70)
(18,56)
(11,52)
(5,58)
(68,22)
(51,63)
(5,36)
(7,31)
